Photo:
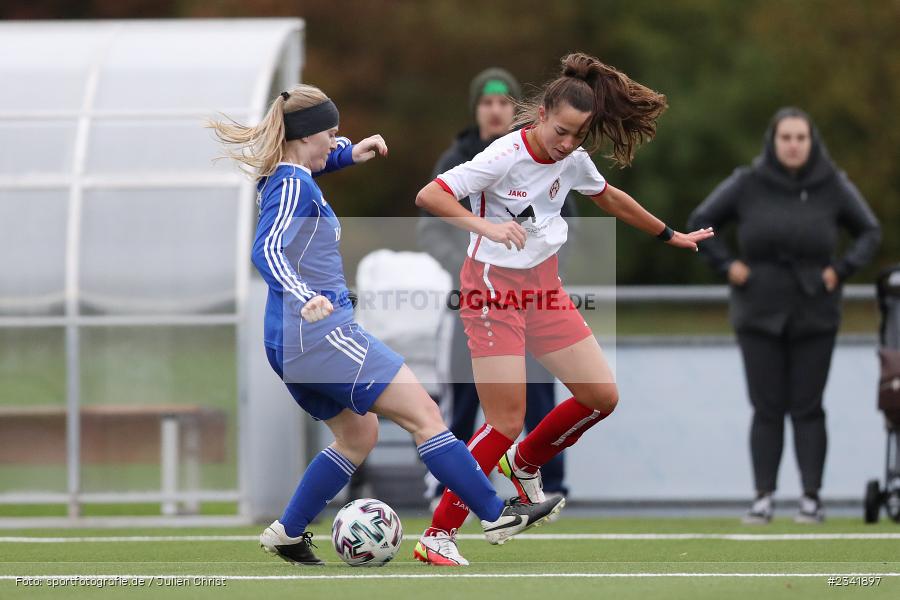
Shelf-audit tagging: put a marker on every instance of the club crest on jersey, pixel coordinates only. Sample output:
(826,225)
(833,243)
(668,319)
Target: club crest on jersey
(554,189)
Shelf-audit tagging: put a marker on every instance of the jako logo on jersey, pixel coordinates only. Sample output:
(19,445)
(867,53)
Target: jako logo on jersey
(517,193)
(554,189)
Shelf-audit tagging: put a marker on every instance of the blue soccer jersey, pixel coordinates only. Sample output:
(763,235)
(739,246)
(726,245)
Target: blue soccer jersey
(297,251)
(332,364)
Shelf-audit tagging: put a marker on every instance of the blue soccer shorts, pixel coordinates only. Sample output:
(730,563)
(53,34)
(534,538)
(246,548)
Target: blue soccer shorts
(349,368)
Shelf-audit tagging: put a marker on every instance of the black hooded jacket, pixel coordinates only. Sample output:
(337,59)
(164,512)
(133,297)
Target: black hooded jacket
(788,230)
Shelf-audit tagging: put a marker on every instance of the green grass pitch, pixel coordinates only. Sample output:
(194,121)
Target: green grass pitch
(609,558)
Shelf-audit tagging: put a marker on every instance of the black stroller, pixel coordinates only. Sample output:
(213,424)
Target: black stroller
(888,398)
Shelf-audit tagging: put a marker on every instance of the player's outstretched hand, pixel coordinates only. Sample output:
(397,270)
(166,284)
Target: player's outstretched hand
(366,149)
(690,240)
(508,233)
(316,309)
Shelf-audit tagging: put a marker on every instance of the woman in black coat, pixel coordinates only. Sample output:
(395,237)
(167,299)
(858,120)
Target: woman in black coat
(788,207)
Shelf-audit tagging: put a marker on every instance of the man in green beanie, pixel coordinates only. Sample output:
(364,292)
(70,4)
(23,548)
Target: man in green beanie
(492,96)
(492,101)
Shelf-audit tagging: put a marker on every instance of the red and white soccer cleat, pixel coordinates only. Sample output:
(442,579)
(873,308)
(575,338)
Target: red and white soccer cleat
(528,485)
(438,547)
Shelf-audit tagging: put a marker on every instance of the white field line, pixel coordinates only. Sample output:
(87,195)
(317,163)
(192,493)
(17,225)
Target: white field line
(125,580)
(735,537)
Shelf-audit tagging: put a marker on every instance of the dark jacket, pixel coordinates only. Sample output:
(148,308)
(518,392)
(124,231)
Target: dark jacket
(788,230)
(446,243)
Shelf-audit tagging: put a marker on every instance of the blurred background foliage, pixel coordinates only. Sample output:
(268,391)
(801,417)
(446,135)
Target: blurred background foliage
(402,68)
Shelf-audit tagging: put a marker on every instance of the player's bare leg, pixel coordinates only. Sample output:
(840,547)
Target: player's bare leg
(500,381)
(584,370)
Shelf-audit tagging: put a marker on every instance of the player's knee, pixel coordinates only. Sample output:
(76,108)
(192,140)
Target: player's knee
(425,421)
(361,438)
(368,438)
(430,416)
(611,400)
(603,397)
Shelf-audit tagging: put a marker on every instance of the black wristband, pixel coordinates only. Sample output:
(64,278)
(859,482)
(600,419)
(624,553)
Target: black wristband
(666,234)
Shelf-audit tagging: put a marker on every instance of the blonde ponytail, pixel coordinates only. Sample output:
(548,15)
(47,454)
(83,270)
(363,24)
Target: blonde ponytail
(258,149)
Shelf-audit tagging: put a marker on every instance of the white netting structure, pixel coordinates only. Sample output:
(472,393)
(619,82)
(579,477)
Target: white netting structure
(113,215)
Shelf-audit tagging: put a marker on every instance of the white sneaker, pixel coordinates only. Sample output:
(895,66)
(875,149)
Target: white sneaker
(761,511)
(437,547)
(296,550)
(811,511)
(528,485)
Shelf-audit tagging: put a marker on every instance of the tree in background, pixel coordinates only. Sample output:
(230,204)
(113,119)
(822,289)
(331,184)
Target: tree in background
(403,68)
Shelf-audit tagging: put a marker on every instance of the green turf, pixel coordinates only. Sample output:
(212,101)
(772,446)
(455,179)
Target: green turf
(120,365)
(149,509)
(541,557)
(113,477)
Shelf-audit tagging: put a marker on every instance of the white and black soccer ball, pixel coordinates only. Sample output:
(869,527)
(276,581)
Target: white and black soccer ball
(366,533)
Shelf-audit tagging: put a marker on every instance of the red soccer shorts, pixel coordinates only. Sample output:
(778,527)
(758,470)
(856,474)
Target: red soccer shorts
(508,311)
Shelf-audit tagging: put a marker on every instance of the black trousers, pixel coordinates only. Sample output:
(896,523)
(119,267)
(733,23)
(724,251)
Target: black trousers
(786,376)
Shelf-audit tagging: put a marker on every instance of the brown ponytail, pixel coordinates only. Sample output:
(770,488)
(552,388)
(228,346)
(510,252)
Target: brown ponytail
(622,110)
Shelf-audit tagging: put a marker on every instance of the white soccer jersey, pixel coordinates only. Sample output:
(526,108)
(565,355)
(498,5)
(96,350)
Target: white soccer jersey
(507,181)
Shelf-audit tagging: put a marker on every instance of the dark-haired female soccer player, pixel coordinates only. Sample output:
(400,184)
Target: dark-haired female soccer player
(516,187)
(335,370)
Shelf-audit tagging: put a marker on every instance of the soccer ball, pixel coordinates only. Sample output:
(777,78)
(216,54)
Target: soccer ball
(366,533)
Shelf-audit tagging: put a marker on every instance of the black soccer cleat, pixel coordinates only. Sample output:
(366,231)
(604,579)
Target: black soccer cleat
(517,516)
(296,550)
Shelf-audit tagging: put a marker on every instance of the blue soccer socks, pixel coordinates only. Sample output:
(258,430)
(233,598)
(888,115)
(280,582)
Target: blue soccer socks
(325,476)
(452,464)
